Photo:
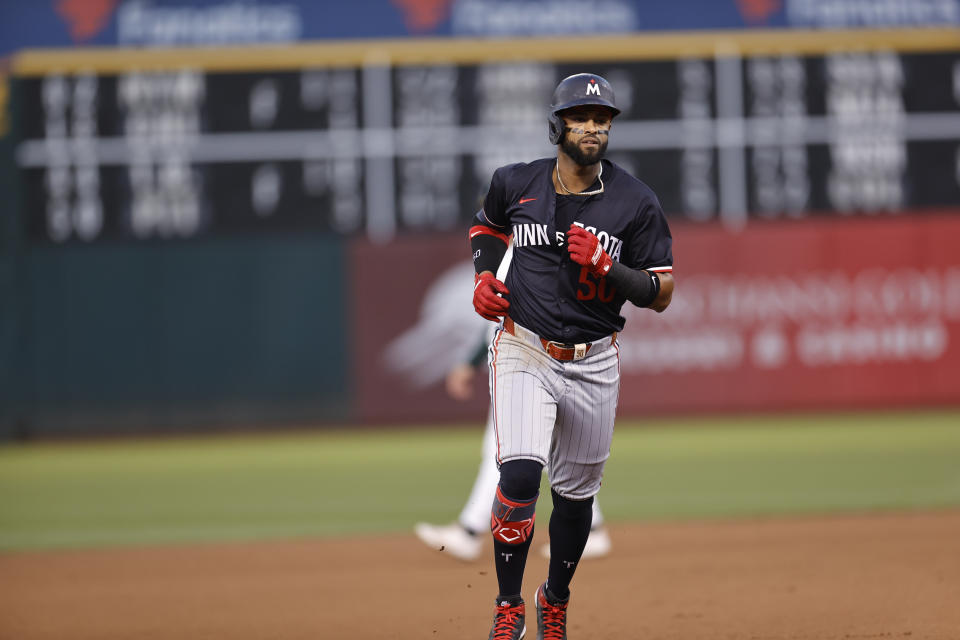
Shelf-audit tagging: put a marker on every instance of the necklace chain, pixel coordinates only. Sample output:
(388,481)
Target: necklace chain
(581,193)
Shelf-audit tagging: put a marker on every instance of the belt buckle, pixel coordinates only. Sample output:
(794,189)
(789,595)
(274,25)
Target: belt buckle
(576,351)
(552,346)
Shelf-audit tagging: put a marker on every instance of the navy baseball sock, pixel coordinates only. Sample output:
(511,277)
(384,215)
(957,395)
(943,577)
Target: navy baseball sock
(510,560)
(512,522)
(569,530)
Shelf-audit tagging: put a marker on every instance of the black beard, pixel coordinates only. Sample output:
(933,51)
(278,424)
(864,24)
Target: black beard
(579,156)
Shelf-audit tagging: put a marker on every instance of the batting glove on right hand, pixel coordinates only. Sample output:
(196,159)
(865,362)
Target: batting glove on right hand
(585,250)
(485,299)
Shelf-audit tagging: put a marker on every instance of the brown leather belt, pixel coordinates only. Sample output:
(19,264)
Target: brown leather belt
(557,350)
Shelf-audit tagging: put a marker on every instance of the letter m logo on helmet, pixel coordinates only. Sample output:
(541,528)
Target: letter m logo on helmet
(571,93)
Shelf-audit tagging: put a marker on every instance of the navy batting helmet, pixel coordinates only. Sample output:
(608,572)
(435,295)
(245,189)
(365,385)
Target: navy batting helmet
(576,90)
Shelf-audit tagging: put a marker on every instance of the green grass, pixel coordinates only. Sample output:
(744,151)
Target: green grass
(763,466)
(217,488)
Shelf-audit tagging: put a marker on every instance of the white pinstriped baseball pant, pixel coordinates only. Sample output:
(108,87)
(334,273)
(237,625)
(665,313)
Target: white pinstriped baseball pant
(558,413)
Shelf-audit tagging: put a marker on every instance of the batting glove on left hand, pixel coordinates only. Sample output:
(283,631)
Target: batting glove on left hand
(585,250)
(485,299)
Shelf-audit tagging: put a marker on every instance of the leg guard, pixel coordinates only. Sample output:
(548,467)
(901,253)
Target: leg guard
(512,520)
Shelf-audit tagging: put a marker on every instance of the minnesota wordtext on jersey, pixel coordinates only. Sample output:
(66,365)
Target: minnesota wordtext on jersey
(530,234)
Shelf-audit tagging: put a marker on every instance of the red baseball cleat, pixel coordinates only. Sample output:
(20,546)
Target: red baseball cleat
(551,616)
(509,621)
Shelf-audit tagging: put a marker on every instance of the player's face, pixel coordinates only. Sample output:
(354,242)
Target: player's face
(587,132)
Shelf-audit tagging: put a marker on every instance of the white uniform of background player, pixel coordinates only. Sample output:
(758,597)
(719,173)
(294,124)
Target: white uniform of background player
(463,539)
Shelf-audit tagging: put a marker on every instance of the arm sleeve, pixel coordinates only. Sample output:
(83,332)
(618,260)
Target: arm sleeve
(488,235)
(638,286)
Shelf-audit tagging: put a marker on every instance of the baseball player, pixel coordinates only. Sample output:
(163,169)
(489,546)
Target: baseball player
(587,238)
(462,539)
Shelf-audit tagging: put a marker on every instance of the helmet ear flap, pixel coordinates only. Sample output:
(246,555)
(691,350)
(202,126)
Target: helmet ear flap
(555,126)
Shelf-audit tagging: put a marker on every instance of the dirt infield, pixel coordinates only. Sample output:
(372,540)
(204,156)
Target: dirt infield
(852,577)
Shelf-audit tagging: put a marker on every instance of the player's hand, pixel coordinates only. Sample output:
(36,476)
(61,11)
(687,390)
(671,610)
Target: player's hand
(486,300)
(585,250)
(459,382)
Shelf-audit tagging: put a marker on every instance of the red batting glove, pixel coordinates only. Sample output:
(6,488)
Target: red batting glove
(585,250)
(485,299)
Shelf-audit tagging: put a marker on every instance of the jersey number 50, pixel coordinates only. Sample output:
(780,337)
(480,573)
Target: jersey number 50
(589,288)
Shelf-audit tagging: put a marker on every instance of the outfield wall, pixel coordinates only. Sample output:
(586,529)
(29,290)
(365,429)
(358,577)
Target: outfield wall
(223,333)
(813,315)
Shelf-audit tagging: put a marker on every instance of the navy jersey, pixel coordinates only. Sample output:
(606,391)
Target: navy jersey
(551,294)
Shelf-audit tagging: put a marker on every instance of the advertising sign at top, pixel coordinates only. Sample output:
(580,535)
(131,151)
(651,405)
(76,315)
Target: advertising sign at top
(174,23)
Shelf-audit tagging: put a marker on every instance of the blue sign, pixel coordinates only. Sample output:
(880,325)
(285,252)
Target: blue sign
(166,23)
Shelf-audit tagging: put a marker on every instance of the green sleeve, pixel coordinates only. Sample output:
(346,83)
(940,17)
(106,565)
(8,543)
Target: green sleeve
(480,353)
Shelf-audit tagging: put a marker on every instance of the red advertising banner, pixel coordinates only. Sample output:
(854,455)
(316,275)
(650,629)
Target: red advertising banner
(803,315)
(811,314)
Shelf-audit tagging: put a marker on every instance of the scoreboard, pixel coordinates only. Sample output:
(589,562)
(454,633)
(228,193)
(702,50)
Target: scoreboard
(391,138)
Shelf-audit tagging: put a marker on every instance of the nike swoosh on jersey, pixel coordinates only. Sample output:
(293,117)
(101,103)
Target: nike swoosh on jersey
(525,200)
